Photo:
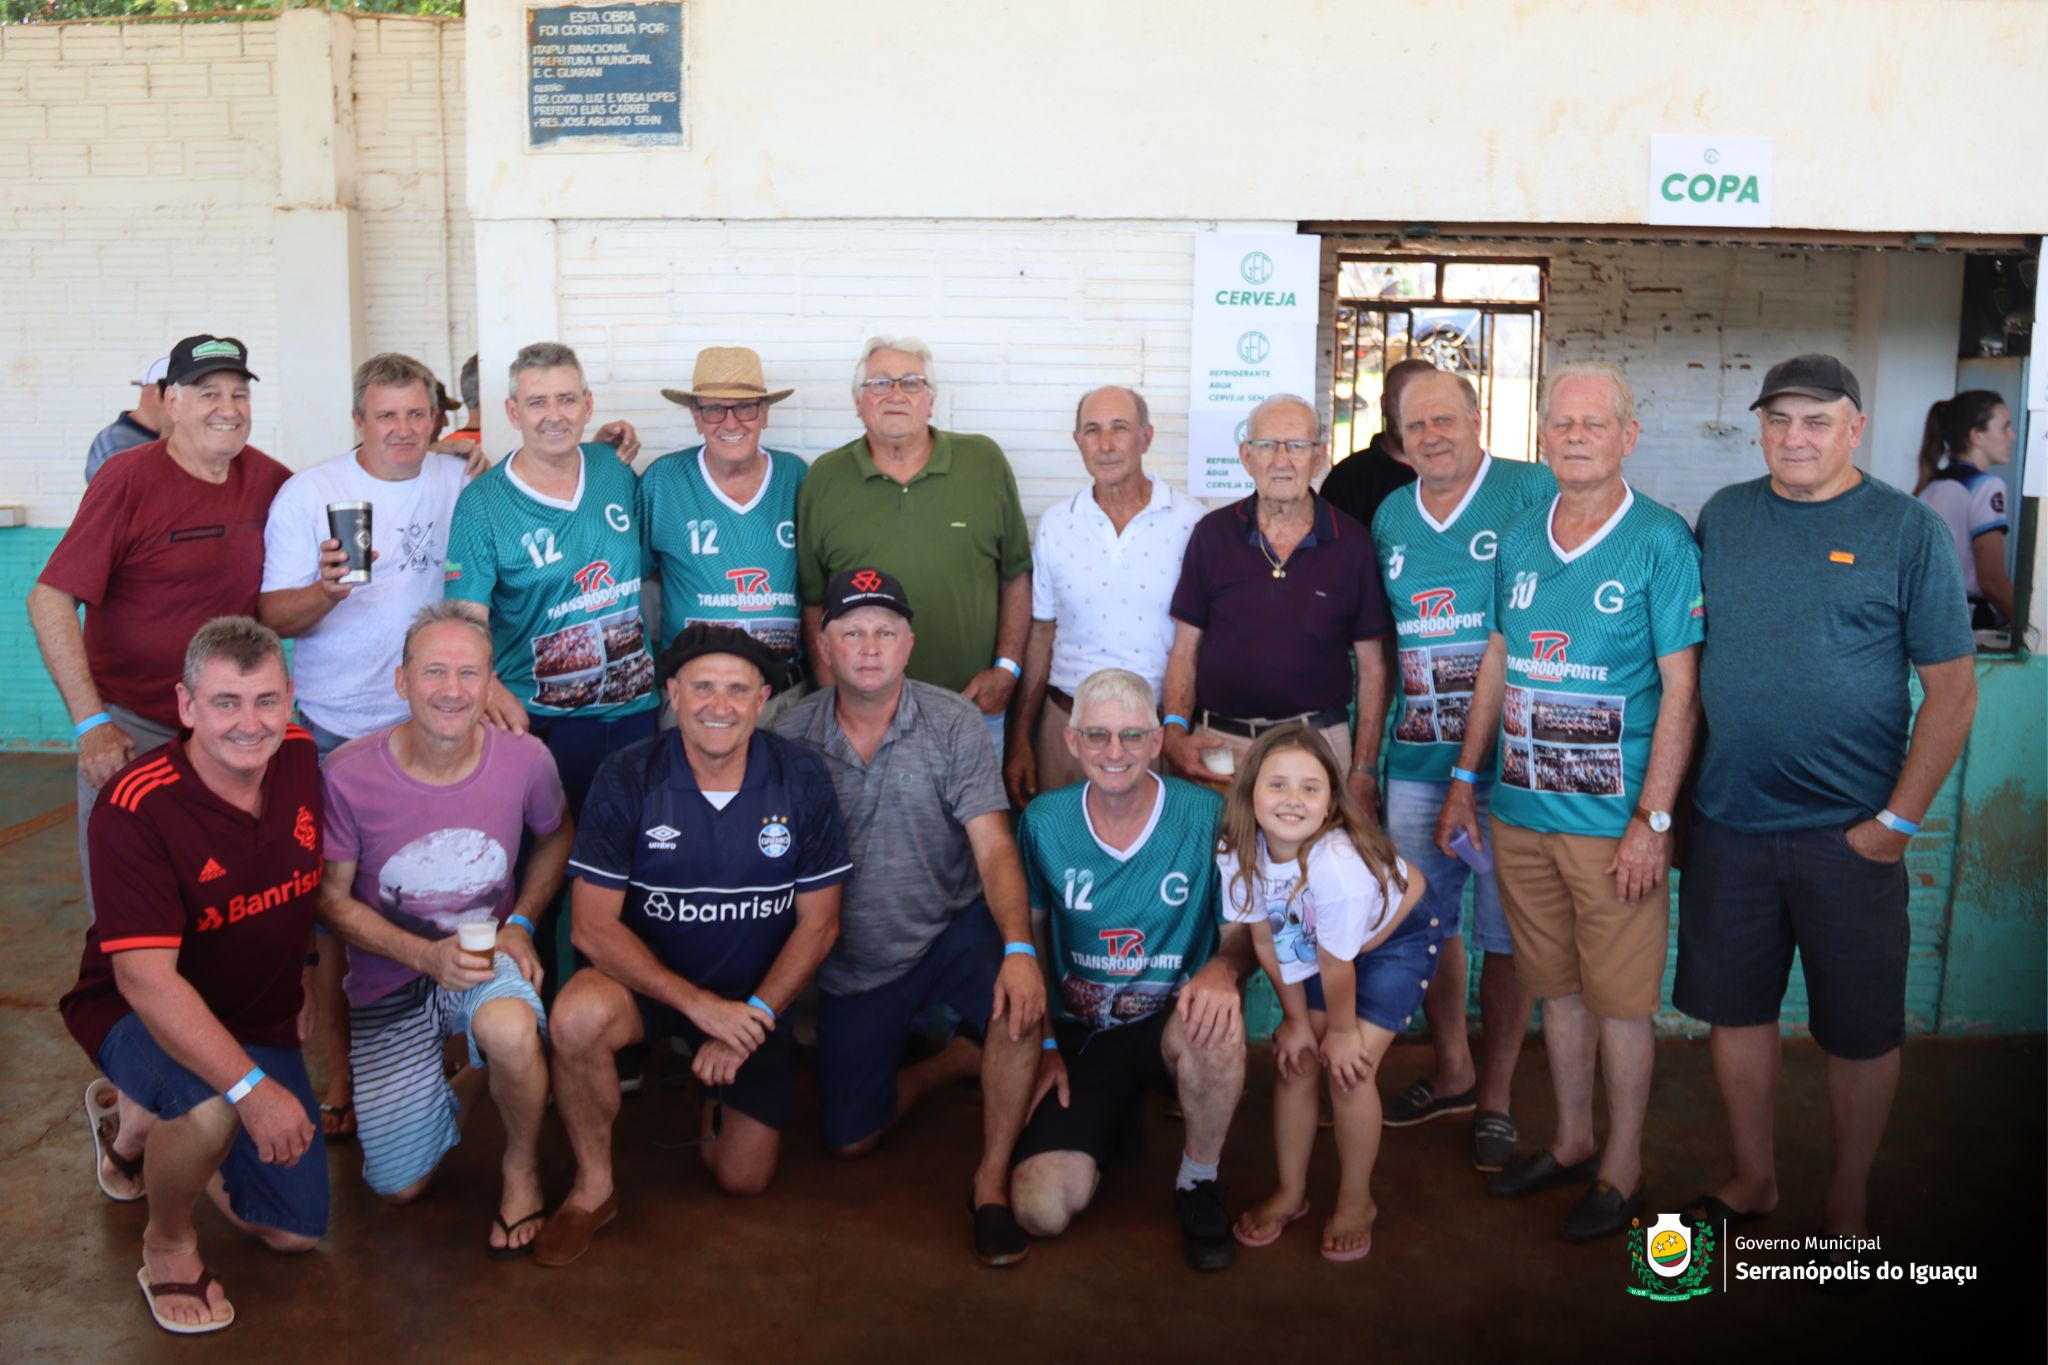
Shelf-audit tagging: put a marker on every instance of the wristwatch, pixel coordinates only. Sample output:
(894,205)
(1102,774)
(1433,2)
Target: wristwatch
(1659,821)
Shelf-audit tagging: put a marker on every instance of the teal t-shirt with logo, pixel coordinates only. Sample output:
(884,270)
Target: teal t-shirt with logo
(562,584)
(1129,927)
(720,561)
(1438,578)
(1584,632)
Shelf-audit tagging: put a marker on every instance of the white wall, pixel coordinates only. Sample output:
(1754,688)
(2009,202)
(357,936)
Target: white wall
(1909,316)
(1440,110)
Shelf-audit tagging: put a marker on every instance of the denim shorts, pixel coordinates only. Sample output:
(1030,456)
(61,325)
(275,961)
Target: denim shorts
(1412,808)
(289,1198)
(1392,978)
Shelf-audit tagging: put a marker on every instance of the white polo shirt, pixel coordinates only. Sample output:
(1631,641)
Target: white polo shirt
(1108,592)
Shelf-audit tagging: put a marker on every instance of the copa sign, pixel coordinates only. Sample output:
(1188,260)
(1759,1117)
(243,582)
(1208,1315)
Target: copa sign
(1718,182)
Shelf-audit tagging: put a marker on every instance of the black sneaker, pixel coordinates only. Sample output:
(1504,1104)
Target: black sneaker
(998,1240)
(1205,1227)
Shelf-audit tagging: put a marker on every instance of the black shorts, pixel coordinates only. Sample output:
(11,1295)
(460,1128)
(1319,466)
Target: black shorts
(1109,1073)
(765,1088)
(1746,901)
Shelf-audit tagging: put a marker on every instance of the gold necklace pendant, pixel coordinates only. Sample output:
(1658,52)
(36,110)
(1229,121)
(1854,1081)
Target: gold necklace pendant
(1270,557)
(1279,572)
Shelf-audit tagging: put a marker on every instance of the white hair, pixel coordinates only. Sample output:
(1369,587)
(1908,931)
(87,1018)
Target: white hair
(1287,400)
(908,345)
(1106,686)
(1624,396)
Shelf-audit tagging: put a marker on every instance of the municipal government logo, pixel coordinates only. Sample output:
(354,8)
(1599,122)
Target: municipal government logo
(1670,1261)
(1256,267)
(1253,347)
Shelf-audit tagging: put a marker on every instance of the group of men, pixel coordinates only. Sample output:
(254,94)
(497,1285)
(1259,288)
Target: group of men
(758,776)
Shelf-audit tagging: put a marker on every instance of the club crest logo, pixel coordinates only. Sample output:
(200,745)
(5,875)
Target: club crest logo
(1671,1260)
(304,832)
(773,840)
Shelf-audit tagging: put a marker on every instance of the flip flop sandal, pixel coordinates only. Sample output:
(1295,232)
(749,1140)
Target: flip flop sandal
(196,1289)
(1357,1253)
(342,1114)
(104,1122)
(509,1252)
(1715,1212)
(1247,1239)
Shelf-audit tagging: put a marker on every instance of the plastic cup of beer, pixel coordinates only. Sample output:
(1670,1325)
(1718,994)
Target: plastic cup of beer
(1222,760)
(478,939)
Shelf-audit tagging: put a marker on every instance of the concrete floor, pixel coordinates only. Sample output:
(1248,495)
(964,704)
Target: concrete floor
(871,1261)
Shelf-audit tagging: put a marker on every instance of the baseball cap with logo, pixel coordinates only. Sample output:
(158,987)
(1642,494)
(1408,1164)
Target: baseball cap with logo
(1811,376)
(852,589)
(154,375)
(203,354)
(703,637)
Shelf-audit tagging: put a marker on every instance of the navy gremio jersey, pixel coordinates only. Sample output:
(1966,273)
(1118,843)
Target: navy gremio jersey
(712,892)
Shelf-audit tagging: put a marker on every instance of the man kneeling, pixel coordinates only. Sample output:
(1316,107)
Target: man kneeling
(707,876)
(423,828)
(1123,873)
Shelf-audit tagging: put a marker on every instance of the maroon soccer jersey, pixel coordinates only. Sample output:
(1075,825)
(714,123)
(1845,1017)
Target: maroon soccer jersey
(175,866)
(156,553)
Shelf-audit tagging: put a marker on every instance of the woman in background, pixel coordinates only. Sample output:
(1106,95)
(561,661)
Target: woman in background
(1973,430)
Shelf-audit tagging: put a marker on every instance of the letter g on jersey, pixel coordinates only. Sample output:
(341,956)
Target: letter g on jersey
(1484,545)
(1608,597)
(1173,888)
(615,517)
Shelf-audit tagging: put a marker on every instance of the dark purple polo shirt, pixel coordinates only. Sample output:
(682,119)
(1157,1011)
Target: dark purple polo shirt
(1275,647)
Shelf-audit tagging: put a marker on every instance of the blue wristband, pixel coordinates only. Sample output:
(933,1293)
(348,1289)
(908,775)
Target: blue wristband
(1181,721)
(1464,775)
(1011,667)
(1048,1045)
(90,723)
(239,1091)
(524,923)
(762,1005)
(1013,949)
(1898,824)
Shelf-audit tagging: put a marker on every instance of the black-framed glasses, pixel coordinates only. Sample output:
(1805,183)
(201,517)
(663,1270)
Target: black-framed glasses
(1094,740)
(879,386)
(1266,447)
(714,413)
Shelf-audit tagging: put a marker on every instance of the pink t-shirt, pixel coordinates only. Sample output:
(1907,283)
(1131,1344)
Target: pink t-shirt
(431,858)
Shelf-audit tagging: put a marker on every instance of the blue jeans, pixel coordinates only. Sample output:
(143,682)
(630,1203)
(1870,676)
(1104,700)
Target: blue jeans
(1412,808)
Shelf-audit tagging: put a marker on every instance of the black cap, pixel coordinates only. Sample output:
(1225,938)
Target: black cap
(697,640)
(1811,376)
(203,354)
(852,589)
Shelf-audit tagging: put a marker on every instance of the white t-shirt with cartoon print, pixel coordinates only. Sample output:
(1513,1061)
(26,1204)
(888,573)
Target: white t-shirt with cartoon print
(1342,908)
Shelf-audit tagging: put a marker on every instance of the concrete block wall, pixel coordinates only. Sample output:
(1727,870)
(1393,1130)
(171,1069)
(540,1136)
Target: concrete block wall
(135,166)
(418,246)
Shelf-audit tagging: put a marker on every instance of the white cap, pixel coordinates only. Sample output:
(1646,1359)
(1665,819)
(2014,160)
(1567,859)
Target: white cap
(158,368)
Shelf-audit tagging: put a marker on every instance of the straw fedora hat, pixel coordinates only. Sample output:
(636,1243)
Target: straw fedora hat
(726,374)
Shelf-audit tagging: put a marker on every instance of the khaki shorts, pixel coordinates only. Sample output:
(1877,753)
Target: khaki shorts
(1573,934)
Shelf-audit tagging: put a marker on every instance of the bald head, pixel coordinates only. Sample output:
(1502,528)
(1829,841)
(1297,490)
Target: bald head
(1113,430)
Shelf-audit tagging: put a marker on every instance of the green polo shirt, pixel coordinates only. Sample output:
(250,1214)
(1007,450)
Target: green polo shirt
(953,536)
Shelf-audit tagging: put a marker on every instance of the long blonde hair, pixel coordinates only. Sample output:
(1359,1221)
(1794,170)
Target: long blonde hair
(1240,833)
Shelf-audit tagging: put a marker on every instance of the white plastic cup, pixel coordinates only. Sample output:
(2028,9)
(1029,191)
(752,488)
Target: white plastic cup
(478,938)
(1221,761)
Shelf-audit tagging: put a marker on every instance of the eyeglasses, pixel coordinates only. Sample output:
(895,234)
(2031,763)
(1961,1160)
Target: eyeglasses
(1265,447)
(879,386)
(1097,740)
(714,413)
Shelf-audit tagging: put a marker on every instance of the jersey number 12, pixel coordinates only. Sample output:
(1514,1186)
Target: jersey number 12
(1080,887)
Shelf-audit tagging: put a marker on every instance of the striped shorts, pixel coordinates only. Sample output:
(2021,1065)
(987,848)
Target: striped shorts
(405,1109)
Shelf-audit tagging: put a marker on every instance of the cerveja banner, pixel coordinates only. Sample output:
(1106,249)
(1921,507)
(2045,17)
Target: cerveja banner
(1254,335)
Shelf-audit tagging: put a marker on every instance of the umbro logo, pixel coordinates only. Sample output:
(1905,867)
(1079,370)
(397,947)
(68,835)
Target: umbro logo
(213,871)
(662,836)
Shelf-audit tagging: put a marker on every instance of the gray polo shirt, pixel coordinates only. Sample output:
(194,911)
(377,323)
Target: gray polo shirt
(906,815)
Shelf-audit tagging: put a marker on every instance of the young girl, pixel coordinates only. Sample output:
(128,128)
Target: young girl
(1329,906)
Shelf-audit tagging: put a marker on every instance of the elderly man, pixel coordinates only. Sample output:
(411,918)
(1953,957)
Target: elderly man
(137,426)
(1364,479)
(424,820)
(939,509)
(1149,1006)
(939,914)
(1278,606)
(1828,587)
(707,892)
(167,539)
(545,549)
(191,994)
(1597,618)
(1436,551)
(720,516)
(1106,562)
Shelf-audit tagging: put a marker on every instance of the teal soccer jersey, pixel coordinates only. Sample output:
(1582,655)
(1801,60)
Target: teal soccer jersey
(1127,928)
(563,587)
(721,561)
(1439,582)
(1584,632)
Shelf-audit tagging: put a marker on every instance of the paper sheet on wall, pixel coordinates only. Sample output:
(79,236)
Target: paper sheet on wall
(1253,335)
